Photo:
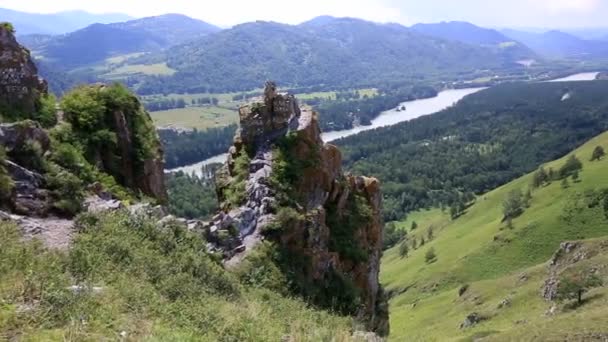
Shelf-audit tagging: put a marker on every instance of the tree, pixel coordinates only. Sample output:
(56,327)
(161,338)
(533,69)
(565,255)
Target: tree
(565,184)
(403,249)
(574,286)
(430,256)
(414,225)
(392,235)
(598,153)
(527,198)
(414,243)
(540,178)
(572,165)
(429,233)
(513,205)
(576,177)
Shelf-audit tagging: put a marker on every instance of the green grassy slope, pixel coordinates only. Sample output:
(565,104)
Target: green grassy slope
(477,249)
(141,283)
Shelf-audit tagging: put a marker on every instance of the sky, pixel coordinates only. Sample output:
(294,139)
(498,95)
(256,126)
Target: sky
(491,13)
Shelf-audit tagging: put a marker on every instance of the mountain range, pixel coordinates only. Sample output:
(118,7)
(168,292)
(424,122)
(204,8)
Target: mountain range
(558,44)
(97,42)
(326,52)
(56,23)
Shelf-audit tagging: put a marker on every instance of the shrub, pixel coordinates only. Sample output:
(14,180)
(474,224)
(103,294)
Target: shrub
(598,153)
(30,156)
(6,183)
(47,114)
(430,256)
(8,26)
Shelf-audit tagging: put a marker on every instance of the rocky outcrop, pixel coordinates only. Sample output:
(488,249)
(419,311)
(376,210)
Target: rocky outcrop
(15,135)
(133,155)
(20,86)
(569,256)
(28,195)
(334,229)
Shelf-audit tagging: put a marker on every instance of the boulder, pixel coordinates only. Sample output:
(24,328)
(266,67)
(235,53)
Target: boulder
(471,320)
(15,135)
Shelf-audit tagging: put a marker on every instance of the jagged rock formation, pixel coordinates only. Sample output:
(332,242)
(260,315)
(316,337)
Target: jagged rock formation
(134,155)
(20,86)
(296,195)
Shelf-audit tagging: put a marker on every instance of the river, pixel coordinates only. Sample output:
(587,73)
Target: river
(413,109)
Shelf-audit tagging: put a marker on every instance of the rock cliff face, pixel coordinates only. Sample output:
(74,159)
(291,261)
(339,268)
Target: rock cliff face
(20,86)
(133,154)
(328,224)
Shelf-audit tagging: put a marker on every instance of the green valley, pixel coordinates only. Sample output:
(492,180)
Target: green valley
(492,263)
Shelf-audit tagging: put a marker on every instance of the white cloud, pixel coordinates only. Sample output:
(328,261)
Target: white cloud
(560,6)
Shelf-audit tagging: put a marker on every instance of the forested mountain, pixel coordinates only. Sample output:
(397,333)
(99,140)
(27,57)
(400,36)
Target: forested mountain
(558,44)
(486,140)
(97,42)
(172,29)
(327,51)
(56,23)
(463,32)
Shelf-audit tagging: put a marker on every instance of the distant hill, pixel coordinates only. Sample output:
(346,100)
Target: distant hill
(462,32)
(324,51)
(57,23)
(172,29)
(97,42)
(471,34)
(558,44)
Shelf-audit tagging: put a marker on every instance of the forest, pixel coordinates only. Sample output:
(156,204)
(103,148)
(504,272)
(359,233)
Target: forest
(189,147)
(484,141)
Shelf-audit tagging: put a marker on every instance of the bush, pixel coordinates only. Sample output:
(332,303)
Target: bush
(8,26)
(430,256)
(598,153)
(6,183)
(47,114)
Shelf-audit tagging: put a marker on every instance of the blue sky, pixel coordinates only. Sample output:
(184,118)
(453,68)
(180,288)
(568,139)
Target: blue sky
(494,13)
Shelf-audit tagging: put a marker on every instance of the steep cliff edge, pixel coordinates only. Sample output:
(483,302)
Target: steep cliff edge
(104,146)
(20,86)
(283,185)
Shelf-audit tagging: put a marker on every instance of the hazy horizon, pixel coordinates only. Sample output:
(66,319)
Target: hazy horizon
(522,14)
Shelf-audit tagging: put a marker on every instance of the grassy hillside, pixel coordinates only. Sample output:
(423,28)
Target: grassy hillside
(497,263)
(126,279)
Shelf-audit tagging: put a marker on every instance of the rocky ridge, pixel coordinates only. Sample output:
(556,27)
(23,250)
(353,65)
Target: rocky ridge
(326,202)
(20,86)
